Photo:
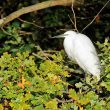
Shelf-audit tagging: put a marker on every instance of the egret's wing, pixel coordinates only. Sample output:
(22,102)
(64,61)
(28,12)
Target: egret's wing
(85,55)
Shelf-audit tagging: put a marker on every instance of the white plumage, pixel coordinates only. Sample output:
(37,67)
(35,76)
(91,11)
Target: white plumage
(80,49)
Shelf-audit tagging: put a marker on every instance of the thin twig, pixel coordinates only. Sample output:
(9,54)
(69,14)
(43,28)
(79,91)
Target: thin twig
(51,51)
(71,20)
(30,23)
(74,17)
(43,52)
(64,101)
(20,32)
(24,33)
(38,56)
(6,31)
(96,16)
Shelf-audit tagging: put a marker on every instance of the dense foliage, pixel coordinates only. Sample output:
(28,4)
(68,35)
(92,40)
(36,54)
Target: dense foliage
(30,84)
(35,73)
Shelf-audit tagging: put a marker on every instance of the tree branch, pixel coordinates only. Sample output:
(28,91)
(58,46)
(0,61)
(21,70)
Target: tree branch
(38,6)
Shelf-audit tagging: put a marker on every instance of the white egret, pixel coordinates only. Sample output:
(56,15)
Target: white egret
(81,49)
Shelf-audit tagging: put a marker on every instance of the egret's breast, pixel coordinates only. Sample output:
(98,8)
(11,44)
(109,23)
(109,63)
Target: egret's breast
(69,47)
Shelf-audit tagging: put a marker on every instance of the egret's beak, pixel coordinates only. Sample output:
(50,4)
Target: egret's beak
(60,36)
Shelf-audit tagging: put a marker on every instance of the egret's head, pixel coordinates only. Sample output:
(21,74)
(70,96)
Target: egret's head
(66,34)
(70,33)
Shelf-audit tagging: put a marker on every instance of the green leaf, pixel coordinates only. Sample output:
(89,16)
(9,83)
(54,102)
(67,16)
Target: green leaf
(73,94)
(16,24)
(79,85)
(40,107)
(53,104)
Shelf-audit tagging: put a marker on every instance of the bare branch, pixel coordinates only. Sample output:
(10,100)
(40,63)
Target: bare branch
(38,6)
(74,16)
(96,15)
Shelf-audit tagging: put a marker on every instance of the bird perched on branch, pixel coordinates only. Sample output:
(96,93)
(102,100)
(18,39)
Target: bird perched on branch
(81,49)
